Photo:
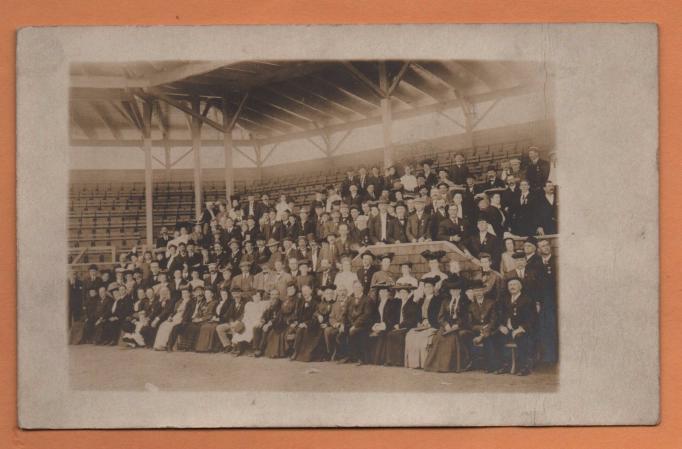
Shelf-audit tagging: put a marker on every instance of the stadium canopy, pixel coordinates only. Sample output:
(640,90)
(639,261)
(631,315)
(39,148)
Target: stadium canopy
(260,104)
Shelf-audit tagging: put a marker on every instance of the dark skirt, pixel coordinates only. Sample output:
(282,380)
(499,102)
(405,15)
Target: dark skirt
(376,353)
(187,339)
(309,345)
(207,340)
(395,347)
(449,353)
(276,345)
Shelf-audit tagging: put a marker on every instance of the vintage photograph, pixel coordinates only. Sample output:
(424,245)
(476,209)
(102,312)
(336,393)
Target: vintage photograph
(313,225)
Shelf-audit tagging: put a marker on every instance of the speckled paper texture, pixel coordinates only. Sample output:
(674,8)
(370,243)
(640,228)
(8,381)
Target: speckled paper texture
(605,103)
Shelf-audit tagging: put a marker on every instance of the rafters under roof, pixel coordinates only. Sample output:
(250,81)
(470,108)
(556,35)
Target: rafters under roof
(286,99)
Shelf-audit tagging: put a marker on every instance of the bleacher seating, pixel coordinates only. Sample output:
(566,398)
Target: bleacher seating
(109,214)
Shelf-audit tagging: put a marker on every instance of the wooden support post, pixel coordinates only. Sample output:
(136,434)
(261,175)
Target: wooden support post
(196,148)
(148,173)
(228,148)
(167,154)
(259,161)
(386,118)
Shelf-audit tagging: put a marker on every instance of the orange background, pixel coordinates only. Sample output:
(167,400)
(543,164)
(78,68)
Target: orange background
(667,14)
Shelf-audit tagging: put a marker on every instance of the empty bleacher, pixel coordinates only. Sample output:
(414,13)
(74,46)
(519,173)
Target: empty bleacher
(105,215)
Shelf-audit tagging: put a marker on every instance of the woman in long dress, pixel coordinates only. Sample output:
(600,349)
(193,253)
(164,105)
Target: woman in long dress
(410,316)
(386,311)
(418,339)
(277,328)
(206,340)
(253,314)
(181,314)
(450,346)
(203,311)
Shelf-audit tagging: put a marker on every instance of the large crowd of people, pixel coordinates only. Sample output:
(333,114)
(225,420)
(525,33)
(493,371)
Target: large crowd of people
(275,279)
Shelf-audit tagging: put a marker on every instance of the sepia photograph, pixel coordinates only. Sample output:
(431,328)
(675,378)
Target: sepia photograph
(389,225)
(337,226)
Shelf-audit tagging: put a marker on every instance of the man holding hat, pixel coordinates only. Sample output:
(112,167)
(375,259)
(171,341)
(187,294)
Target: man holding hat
(244,280)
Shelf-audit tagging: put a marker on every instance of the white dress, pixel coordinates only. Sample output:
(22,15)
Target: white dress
(346,279)
(165,329)
(253,311)
(417,340)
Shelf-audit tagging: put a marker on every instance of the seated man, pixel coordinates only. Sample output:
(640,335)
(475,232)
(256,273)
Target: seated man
(516,324)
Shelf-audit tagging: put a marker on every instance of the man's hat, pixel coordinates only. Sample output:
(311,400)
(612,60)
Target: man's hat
(532,240)
(482,255)
(330,287)
(427,162)
(305,262)
(407,287)
(382,286)
(519,255)
(388,256)
(453,284)
(287,237)
(273,242)
(367,253)
(234,240)
(244,263)
(199,287)
(433,255)
(92,267)
(430,280)
(491,192)
(400,204)
(350,254)
(475,284)
(514,278)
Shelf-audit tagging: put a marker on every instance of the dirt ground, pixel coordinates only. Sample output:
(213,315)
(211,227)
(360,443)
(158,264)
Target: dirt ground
(118,368)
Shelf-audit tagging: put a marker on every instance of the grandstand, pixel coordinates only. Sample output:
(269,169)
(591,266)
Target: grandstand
(263,103)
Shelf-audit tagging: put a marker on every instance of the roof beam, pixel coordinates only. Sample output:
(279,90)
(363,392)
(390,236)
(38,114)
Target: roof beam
(397,78)
(183,72)
(106,119)
(125,143)
(362,77)
(186,110)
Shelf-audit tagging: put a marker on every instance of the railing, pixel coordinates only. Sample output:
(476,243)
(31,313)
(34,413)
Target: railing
(412,252)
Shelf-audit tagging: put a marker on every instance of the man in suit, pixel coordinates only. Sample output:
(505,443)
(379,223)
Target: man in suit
(176,285)
(366,271)
(175,261)
(314,253)
(92,280)
(376,180)
(379,225)
(398,226)
(545,210)
(418,224)
(459,172)
(484,242)
(491,181)
(451,229)
(510,195)
(522,211)
(546,288)
(215,278)
(357,324)
(114,316)
(362,180)
(347,182)
(253,208)
(243,281)
(537,170)
(325,276)
(163,239)
(517,322)
(430,176)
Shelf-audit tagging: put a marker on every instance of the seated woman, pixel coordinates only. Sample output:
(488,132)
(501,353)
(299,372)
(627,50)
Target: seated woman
(160,310)
(253,313)
(386,315)
(206,340)
(277,329)
(418,340)
(182,313)
(450,345)
(409,318)
(204,310)
(309,343)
